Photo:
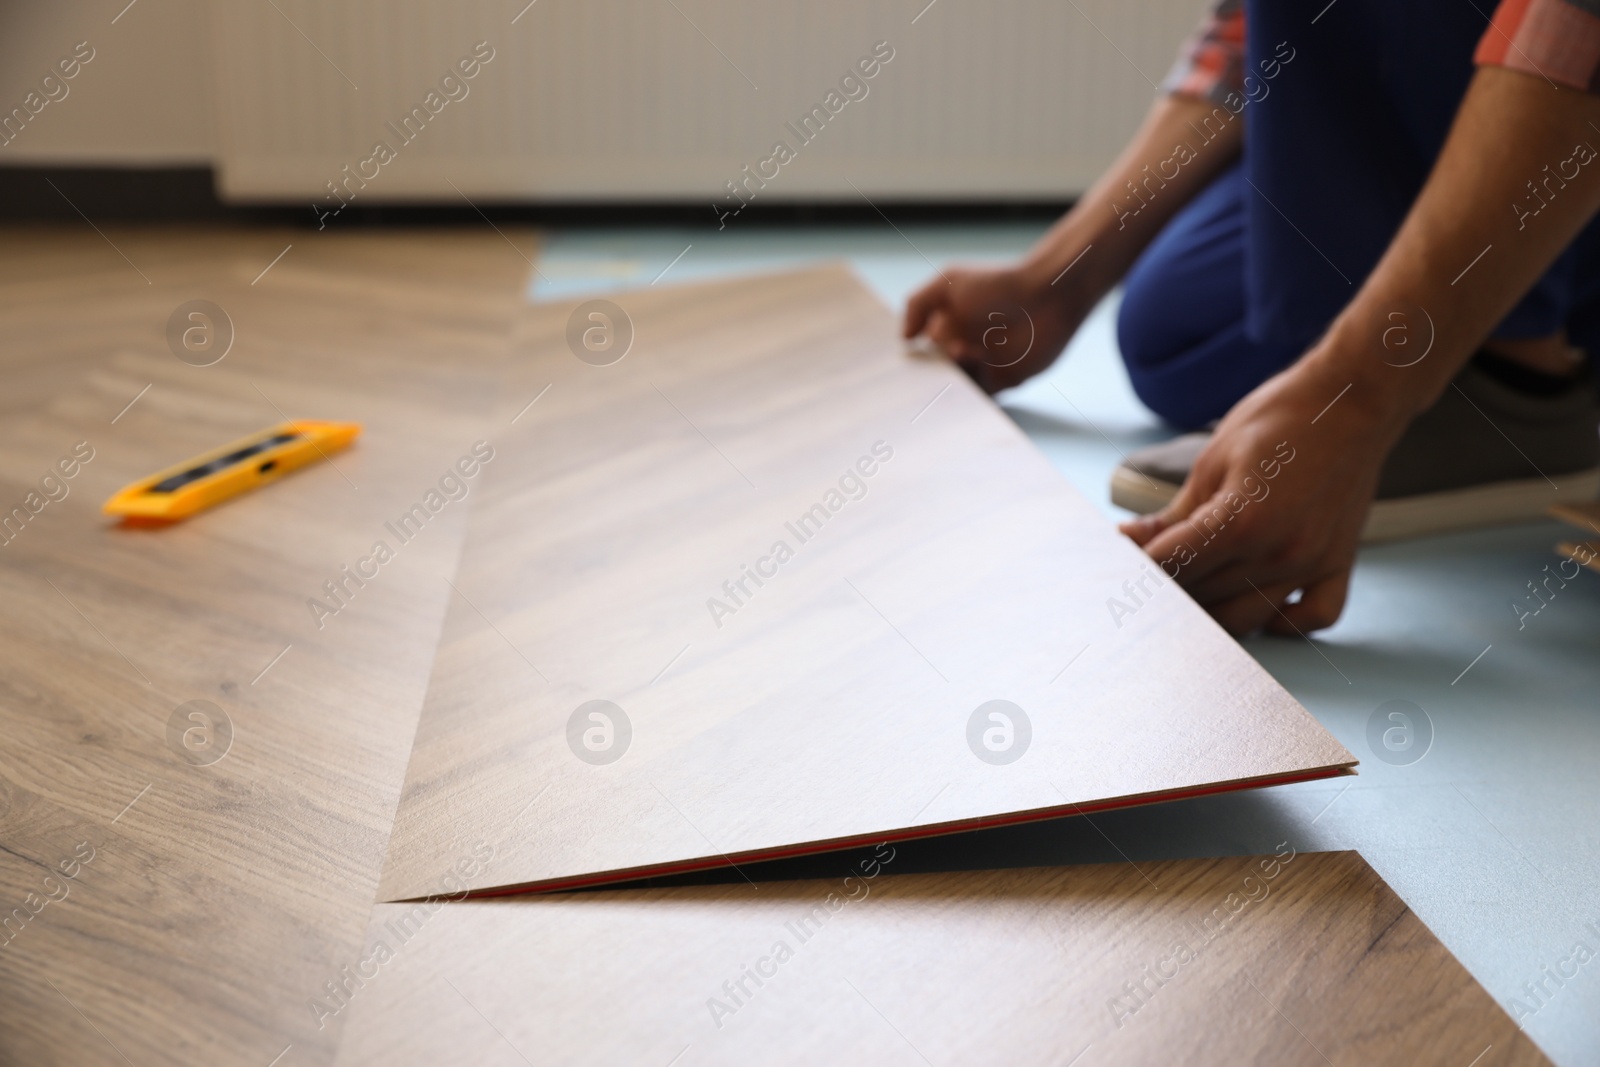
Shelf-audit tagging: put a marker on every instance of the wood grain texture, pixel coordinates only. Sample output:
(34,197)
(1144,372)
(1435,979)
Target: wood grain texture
(1283,960)
(830,700)
(227,893)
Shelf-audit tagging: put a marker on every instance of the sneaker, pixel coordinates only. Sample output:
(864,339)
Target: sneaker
(1587,518)
(1485,454)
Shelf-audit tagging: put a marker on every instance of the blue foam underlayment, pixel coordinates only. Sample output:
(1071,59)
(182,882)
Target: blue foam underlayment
(1493,838)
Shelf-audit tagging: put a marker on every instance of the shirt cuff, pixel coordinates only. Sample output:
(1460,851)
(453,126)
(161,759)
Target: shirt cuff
(1558,40)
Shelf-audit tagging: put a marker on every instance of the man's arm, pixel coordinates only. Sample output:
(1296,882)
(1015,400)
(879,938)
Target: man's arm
(1190,134)
(1166,164)
(1466,254)
(1518,178)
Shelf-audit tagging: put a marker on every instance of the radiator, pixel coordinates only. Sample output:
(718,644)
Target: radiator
(673,100)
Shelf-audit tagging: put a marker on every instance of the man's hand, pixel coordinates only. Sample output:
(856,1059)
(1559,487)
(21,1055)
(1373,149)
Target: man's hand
(1301,535)
(1001,326)
(1004,326)
(1275,504)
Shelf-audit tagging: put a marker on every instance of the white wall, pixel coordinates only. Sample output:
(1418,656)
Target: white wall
(604,99)
(145,99)
(595,99)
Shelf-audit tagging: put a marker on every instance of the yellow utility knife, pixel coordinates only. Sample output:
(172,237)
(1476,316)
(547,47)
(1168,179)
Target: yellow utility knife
(215,476)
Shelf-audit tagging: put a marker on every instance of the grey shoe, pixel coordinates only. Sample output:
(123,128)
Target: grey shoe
(1485,454)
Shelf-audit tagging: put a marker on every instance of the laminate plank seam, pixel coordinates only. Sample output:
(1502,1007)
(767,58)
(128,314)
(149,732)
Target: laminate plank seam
(1102,833)
(497,630)
(703,836)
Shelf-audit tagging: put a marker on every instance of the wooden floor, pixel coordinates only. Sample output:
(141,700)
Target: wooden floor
(167,902)
(937,563)
(226,895)
(1279,960)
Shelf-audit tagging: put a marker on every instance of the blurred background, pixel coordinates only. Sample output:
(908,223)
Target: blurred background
(194,106)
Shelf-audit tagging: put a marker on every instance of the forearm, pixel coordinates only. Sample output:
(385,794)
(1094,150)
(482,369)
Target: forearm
(1182,145)
(1475,241)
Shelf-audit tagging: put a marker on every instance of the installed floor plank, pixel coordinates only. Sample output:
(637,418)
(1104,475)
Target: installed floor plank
(1286,959)
(626,549)
(207,901)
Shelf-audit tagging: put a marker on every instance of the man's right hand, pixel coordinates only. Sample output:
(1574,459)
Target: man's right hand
(1002,326)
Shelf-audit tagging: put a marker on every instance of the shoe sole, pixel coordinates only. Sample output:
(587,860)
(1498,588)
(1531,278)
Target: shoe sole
(1414,516)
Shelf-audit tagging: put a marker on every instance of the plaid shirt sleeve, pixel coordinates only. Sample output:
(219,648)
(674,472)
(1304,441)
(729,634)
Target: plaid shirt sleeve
(1558,40)
(1211,65)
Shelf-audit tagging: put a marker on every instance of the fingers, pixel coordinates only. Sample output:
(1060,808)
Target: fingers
(1253,609)
(1183,537)
(923,303)
(1235,578)
(1265,607)
(1318,608)
(1201,486)
(1141,528)
(944,331)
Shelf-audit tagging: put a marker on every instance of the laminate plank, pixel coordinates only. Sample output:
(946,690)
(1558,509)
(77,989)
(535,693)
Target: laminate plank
(1283,960)
(218,896)
(932,562)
